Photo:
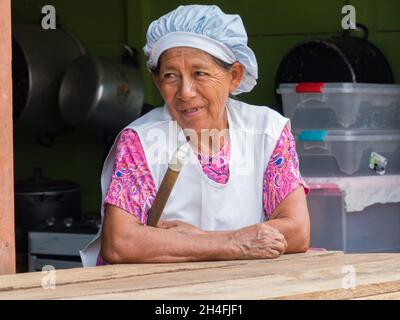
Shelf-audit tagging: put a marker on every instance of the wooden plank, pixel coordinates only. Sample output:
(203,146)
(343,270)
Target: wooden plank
(244,289)
(365,290)
(7,238)
(323,283)
(385,296)
(82,276)
(320,275)
(85,275)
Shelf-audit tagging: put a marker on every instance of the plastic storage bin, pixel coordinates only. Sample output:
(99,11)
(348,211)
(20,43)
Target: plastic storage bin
(341,105)
(375,229)
(345,152)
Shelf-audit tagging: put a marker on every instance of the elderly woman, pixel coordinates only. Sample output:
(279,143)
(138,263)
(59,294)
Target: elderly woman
(239,194)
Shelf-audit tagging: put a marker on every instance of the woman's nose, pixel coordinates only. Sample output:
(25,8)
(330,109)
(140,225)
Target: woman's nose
(187,89)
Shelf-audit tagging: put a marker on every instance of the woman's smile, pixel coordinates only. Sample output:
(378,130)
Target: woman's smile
(191,112)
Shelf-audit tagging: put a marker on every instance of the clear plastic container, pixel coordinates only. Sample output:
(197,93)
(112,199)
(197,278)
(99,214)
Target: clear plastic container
(346,152)
(374,229)
(341,105)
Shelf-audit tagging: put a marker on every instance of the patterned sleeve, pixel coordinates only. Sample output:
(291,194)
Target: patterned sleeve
(282,174)
(132,187)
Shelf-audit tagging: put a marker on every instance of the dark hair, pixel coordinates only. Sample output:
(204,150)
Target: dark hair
(219,62)
(224,65)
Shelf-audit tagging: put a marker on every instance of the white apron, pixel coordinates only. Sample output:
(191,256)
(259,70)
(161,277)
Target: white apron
(195,199)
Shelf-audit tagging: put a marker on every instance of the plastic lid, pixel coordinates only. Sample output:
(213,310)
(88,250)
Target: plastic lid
(315,87)
(338,87)
(347,135)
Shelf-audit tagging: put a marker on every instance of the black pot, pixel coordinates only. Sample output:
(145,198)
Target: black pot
(336,59)
(42,203)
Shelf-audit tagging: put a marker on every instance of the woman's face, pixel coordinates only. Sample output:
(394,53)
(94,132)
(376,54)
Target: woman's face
(195,88)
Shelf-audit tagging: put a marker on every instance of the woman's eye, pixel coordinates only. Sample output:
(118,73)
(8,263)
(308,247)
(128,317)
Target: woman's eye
(200,73)
(169,76)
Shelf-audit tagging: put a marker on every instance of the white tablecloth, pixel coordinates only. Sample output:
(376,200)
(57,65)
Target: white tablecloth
(361,192)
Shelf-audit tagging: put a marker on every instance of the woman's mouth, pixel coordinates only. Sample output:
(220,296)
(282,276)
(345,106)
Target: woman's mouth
(190,112)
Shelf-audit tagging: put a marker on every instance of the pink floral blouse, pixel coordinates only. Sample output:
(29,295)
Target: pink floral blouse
(132,187)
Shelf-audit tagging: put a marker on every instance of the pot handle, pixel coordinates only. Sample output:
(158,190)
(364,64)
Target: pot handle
(51,198)
(359,27)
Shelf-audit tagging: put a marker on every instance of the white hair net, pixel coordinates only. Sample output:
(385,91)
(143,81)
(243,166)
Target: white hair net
(206,28)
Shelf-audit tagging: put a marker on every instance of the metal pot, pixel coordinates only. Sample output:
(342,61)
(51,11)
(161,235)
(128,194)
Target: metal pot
(40,58)
(42,203)
(101,94)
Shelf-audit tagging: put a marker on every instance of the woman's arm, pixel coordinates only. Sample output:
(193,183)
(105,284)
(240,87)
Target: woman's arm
(126,240)
(284,194)
(291,218)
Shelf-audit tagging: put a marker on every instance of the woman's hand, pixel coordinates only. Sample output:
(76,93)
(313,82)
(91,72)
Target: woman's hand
(179,226)
(259,241)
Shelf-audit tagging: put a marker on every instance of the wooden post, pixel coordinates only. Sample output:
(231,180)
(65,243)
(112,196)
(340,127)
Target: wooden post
(7,237)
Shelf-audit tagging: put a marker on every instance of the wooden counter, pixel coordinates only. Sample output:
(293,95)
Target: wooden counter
(313,275)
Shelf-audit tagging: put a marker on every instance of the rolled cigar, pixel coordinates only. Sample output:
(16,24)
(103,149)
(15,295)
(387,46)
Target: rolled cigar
(174,167)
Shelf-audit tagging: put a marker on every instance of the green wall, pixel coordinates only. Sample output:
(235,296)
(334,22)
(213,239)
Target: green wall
(104,27)
(275,26)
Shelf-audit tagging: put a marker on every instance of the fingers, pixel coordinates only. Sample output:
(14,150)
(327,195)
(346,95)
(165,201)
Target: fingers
(274,254)
(278,246)
(167,224)
(273,250)
(162,225)
(281,239)
(280,243)
(276,242)
(277,236)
